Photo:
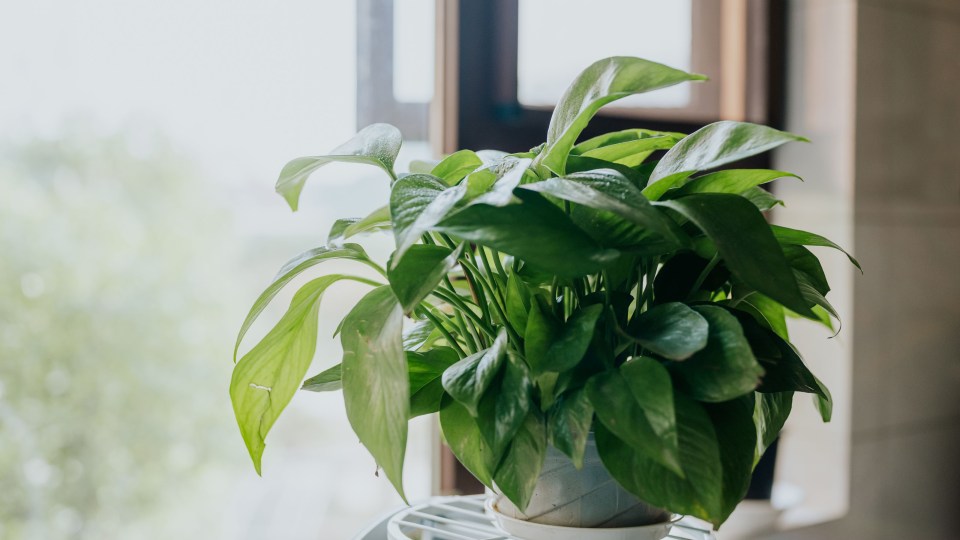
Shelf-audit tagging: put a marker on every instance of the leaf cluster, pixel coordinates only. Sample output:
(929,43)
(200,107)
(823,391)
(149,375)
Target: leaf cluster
(622,285)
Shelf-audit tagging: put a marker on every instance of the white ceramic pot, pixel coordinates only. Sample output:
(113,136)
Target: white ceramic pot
(537,531)
(585,498)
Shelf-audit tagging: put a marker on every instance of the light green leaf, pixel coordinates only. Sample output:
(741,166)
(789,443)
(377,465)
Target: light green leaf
(468,379)
(417,275)
(326,381)
(766,311)
(266,378)
(378,220)
(737,438)
(377,144)
(672,330)
(745,243)
(733,181)
(518,472)
(294,268)
(505,405)
(417,203)
(418,335)
(712,146)
(632,153)
(572,341)
(494,184)
(376,389)
(569,424)
(463,437)
(602,82)
(726,368)
(456,166)
(548,239)
(617,137)
(796,237)
(761,198)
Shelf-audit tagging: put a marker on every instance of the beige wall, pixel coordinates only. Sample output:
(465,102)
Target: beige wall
(904,409)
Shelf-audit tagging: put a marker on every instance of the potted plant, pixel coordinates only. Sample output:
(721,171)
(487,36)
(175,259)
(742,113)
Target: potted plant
(609,304)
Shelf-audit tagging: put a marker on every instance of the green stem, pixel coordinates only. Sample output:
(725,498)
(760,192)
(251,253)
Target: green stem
(446,334)
(703,275)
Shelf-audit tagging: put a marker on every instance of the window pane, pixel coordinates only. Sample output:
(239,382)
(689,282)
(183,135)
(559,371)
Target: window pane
(558,38)
(413,36)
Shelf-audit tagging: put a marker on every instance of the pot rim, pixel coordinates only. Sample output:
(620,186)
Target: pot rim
(491,506)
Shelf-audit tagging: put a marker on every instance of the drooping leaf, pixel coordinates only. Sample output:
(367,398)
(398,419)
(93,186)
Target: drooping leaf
(712,146)
(425,370)
(468,379)
(517,303)
(814,298)
(377,145)
(761,198)
(734,181)
(632,153)
(765,310)
(542,331)
(456,166)
(602,82)
(745,243)
(700,493)
(569,424)
(770,413)
(573,339)
(737,438)
(378,220)
(549,239)
(797,237)
(294,268)
(672,330)
(635,408)
(505,405)
(417,203)
(520,467)
(376,389)
(726,368)
(800,258)
(327,380)
(463,437)
(418,274)
(266,378)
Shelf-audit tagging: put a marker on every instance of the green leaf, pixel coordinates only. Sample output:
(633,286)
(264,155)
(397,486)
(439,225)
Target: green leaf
(800,258)
(468,379)
(734,181)
(377,145)
(761,198)
(632,153)
(462,435)
(418,335)
(609,190)
(417,203)
(425,370)
(616,137)
(737,438)
(700,493)
(417,275)
(517,303)
(548,239)
(636,404)
(796,237)
(569,424)
(745,243)
(672,330)
(813,297)
(770,413)
(378,220)
(325,381)
(494,184)
(577,164)
(572,341)
(726,368)
(294,268)
(517,474)
(712,146)
(602,82)
(456,166)
(376,389)
(505,405)
(766,311)
(266,378)
(542,331)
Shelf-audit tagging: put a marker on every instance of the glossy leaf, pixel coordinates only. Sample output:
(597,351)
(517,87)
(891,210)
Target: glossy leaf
(745,243)
(517,303)
(377,145)
(294,268)
(573,339)
(737,440)
(376,389)
(632,153)
(519,469)
(494,184)
(419,273)
(418,335)
(378,220)
(463,437)
(542,331)
(617,137)
(712,146)
(602,82)
(570,421)
(726,368)
(328,380)
(733,181)
(266,378)
(468,379)
(761,198)
(456,166)
(771,411)
(505,405)
(672,330)
(548,240)
(417,203)
(424,370)
(797,237)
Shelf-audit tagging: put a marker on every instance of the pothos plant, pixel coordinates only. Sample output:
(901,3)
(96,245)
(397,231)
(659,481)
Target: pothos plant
(619,285)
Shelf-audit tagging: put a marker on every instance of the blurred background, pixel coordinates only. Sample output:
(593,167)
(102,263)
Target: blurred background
(139,144)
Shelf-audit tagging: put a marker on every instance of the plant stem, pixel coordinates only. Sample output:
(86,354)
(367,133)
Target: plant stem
(446,334)
(703,274)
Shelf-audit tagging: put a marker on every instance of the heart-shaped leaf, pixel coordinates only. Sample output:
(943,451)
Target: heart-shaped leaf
(463,437)
(519,469)
(418,274)
(456,166)
(425,370)
(505,405)
(468,379)
(737,438)
(417,203)
(672,330)
(569,425)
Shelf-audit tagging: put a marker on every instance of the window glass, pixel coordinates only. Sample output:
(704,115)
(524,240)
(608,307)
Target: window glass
(413,43)
(558,38)
(139,144)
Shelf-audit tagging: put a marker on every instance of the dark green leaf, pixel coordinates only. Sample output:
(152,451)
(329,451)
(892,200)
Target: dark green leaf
(294,268)
(417,203)
(572,341)
(266,378)
(737,438)
(547,241)
(745,243)
(456,166)
(376,389)
(733,181)
(761,198)
(570,421)
(417,275)
(518,471)
(425,370)
(577,164)
(377,144)
(468,379)
(726,368)
(672,330)
(542,331)
(505,405)
(712,146)
(766,311)
(325,381)
(602,82)
(462,435)
(517,303)
(803,238)
(800,258)
(770,413)
(700,493)
(813,297)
